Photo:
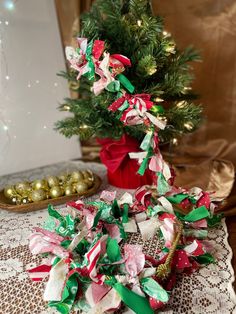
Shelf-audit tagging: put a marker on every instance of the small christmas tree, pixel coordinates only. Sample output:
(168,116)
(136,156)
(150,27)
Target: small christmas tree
(159,68)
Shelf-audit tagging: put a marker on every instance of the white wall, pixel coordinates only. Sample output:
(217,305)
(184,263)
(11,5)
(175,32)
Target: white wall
(30,56)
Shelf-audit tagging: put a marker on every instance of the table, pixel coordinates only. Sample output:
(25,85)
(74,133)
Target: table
(207,291)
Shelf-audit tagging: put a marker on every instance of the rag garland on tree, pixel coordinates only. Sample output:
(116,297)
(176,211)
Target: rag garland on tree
(159,68)
(90,266)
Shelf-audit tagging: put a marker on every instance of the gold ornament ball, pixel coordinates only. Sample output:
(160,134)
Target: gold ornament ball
(88,182)
(87,174)
(16,200)
(76,176)
(55,192)
(9,191)
(39,184)
(62,177)
(69,190)
(22,187)
(52,181)
(38,195)
(81,187)
(25,200)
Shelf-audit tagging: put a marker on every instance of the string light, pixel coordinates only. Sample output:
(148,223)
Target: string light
(175,141)
(180,104)
(5,127)
(6,23)
(166,34)
(44,126)
(151,71)
(139,22)
(84,126)
(188,126)
(66,108)
(55,84)
(7,77)
(158,99)
(187,88)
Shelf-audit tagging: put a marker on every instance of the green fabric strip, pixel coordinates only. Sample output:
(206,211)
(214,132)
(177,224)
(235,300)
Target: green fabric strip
(125,82)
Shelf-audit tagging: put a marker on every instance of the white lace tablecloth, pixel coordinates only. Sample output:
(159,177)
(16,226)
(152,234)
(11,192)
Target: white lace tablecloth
(207,291)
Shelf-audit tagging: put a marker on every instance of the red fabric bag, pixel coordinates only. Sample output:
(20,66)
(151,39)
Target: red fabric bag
(121,170)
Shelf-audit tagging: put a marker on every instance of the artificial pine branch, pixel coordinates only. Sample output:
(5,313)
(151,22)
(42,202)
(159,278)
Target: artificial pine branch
(158,68)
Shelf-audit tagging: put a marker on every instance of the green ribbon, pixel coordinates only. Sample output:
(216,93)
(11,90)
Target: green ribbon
(177,198)
(113,250)
(67,224)
(162,185)
(68,296)
(146,143)
(153,211)
(206,258)
(113,87)
(115,209)
(125,217)
(124,106)
(197,214)
(135,302)
(214,220)
(199,234)
(126,83)
(91,68)
(96,218)
(154,290)
(144,163)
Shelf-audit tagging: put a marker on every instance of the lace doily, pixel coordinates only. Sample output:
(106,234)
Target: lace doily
(207,291)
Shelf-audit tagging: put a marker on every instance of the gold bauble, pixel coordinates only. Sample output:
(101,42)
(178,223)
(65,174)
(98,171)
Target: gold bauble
(62,178)
(25,200)
(52,181)
(39,184)
(38,195)
(76,176)
(74,187)
(55,192)
(9,191)
(81,187)
(88,182)
(22,187)
(16,200)
(69,190)
(87,174)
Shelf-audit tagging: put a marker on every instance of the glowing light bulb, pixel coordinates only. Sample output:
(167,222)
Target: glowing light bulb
(139,22)
(175,141)
(151,71)
(181,104)
(158,99)
(188,126)
(7,77)
(55,84)
(66,107)
(37,81)
(5,127)
(44,126)
(6,23)
(84,126)
(29,85)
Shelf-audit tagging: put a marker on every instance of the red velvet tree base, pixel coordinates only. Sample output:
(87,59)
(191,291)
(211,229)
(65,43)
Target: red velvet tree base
(121,170)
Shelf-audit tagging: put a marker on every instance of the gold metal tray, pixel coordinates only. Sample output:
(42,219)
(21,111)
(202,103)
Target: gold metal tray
(24,208)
